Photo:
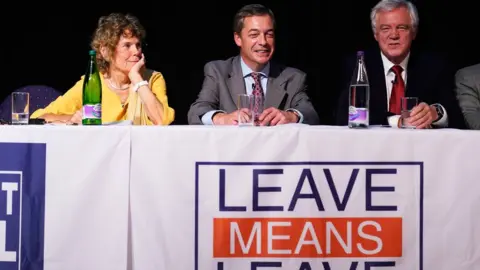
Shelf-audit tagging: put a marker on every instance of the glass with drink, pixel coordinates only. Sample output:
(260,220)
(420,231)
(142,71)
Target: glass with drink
(408,103)
(20,108)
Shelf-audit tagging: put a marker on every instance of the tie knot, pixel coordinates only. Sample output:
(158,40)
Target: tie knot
(255,76)
(397,70)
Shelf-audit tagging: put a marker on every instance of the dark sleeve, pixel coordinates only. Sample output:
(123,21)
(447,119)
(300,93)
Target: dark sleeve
(208,98)
(301,102)
(445,95)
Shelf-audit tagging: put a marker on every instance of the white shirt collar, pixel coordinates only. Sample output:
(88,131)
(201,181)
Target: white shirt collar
(387,64)
(247,71)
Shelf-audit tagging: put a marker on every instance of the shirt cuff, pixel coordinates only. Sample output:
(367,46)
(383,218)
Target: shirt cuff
(207,118)
(300,115)
(393,121)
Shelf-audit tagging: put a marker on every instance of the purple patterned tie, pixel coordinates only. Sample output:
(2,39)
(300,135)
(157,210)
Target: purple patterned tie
(258,95)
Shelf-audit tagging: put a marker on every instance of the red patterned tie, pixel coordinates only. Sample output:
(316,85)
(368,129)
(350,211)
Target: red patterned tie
(258,94)
(398,91)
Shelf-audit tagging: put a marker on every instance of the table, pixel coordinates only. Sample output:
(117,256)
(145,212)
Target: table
(289,197)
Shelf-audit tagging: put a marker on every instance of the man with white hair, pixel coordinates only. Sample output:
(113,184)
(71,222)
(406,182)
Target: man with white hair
(396,71)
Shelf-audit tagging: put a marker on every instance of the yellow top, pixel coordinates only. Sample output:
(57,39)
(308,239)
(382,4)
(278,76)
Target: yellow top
(112,109)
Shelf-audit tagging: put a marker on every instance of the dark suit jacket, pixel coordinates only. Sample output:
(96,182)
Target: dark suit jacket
(429,78)
(223,81)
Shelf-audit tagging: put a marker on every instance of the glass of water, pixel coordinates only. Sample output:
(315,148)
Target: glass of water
(245,110)
(408,103)
(20,108)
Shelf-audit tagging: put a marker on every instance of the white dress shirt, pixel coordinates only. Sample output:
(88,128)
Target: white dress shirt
(390,77)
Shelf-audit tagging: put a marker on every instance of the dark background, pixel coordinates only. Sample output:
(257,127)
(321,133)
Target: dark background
(47,44)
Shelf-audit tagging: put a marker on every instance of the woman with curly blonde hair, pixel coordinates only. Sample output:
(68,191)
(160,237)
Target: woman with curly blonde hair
(130,91)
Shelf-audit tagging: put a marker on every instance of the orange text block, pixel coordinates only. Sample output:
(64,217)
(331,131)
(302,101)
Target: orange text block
(307,237)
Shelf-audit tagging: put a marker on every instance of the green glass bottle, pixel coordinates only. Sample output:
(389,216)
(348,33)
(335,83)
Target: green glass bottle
(92,93)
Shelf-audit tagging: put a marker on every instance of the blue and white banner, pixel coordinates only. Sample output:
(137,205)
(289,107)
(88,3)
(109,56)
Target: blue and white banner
(230,198)
(64,197)
(22,205)
(304,198)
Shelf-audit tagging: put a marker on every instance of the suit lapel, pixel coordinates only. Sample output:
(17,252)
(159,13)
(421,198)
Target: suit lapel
(275,87)
(236,83)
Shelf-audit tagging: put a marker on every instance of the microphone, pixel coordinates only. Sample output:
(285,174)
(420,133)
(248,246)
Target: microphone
(394,81)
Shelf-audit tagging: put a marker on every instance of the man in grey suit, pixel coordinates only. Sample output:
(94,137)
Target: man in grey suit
(283,88)
(467,81)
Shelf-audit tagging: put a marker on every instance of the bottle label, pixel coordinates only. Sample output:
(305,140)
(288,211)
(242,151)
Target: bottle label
(92,111)
(357,115)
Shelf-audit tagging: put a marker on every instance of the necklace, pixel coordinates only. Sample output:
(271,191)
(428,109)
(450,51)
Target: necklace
(115,87)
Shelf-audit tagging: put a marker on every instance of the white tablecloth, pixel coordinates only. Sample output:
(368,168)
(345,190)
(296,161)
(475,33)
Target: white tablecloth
(198,197)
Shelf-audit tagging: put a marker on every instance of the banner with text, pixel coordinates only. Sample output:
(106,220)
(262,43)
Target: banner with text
(303,199)
(64,198)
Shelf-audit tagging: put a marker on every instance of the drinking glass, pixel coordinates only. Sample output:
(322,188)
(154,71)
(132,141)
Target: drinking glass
(20,108)
(245,110)
(408,103)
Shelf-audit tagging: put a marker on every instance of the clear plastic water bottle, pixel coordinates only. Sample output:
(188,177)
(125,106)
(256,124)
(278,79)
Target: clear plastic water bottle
(359,96)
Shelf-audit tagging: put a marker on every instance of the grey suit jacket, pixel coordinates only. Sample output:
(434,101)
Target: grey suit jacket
(224,81)
(467,81)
